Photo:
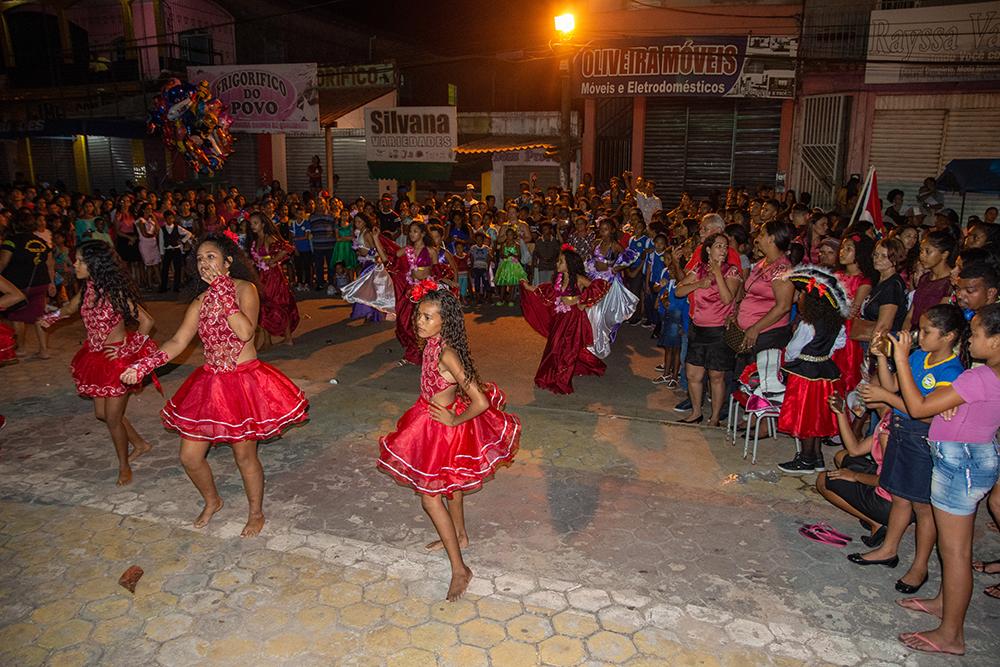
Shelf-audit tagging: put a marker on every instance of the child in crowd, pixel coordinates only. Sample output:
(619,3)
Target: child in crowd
(462,270)
(509,271)
(341,278)
(481,255)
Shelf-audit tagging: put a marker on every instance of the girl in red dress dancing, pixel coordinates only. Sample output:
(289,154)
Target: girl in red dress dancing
(558,311)
(234,398)
(407,266)
(9,296)
(456,435)
(279,314)
(109,299)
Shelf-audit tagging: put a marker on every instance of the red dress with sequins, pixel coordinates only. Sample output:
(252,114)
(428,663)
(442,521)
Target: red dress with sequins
(402,270)
(7,343)
(435,459)
(95,375)
(278,309)
(223,401)
(568,334)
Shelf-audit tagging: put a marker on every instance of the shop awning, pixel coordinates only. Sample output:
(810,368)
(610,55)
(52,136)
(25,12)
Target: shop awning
(411,171)
(335,103)
(501,144)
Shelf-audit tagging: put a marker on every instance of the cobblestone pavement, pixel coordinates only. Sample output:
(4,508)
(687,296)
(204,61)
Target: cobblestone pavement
(614,539)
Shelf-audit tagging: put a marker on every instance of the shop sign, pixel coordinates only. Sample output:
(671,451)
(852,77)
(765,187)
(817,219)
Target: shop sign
(741,66)
(946,43)
(411,134)
(265,98)
(379,75)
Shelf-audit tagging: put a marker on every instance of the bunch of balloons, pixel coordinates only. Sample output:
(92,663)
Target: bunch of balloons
(193,123)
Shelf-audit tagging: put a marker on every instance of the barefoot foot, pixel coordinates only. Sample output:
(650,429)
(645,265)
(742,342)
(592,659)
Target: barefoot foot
(437,545)
(206,514)
(459,582)
(124,476)
(138,449)
(254,525)
(924,606)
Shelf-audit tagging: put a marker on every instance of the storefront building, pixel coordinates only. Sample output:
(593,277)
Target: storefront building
(697,98)
(903,90)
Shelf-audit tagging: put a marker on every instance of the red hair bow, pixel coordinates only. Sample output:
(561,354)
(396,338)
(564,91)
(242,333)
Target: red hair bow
(422,289)
(231,235)
(566,247)
(819,287)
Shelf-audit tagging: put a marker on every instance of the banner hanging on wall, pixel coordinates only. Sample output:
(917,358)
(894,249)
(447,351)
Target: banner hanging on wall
(411,134)
(713,66)
(265,98)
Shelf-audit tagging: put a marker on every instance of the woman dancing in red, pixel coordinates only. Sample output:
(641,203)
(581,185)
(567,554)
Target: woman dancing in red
(557,310)
(234,398)
(407,266)
(10,295)
(109,299)
(279,314)
(456,435)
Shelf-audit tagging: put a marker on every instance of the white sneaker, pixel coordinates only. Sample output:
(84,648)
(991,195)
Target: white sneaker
(330,291)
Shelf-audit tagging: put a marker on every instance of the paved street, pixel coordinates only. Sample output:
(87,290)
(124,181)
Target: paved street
(615,538)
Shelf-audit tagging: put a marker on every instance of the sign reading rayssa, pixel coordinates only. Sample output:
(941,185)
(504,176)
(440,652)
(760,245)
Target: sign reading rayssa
(946,43)
(754,66)
(411,134)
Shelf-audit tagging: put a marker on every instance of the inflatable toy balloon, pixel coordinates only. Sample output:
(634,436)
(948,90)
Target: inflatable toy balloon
(193,123)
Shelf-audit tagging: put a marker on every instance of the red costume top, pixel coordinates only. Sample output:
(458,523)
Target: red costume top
(850,357)
(567,330)
(402,270)
(95,375)
(434,459)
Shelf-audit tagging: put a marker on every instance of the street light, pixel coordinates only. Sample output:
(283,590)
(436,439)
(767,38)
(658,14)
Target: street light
(564,25)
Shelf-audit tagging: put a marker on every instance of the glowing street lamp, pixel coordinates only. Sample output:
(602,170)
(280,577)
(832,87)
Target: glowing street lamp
(565,24)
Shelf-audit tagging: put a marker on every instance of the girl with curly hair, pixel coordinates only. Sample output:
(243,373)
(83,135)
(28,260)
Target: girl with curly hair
(108,302)
(407,265)
(558,311)
(234,398)
(456,435)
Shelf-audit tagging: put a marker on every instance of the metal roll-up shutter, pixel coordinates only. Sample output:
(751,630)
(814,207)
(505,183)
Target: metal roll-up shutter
(971,133)
(613,148)
(8,160)
(99,167)
(52,159)
(665,146)
(350,164)
(710,147)
(121,163)
(240,168)
(299,152)
(906,148)
(755,144)
(515,173)
(156,163)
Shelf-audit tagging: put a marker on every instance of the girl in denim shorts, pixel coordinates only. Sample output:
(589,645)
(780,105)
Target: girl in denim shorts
(966,466)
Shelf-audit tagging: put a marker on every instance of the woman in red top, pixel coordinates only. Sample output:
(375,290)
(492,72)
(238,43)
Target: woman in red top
(279,314)
(711,288)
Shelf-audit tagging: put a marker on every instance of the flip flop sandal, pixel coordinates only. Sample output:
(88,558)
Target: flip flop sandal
(926,645)
(992,592)
(828,529)
(823,538)
(917,606)
(982,565)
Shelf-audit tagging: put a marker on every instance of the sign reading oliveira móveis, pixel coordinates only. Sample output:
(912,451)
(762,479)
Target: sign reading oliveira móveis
(712,66)
(411,134)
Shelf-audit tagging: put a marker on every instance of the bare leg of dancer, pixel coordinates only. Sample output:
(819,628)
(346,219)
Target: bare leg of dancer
(111,411)
(456,509)
(461,575)
(200,473)
(252,473)
(139,444)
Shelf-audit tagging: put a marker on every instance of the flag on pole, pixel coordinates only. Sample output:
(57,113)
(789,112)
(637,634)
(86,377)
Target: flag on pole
(869,205)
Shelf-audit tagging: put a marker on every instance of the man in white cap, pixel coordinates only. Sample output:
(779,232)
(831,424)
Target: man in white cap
(469,197)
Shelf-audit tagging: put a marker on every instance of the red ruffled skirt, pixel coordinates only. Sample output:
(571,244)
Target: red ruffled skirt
(434,459)
(96,376)
(805,412)
(278,310)
(255,401)
(7,343)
